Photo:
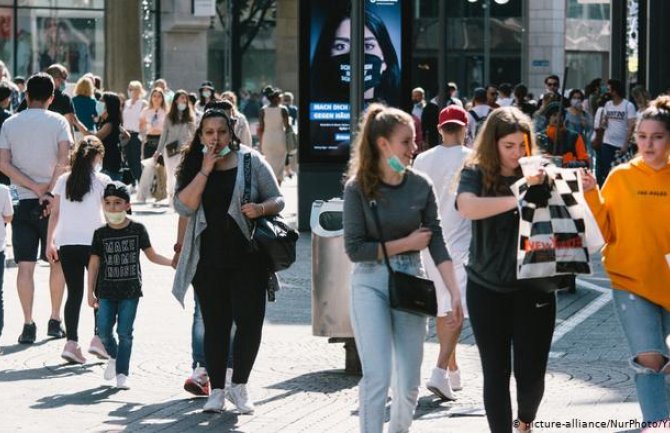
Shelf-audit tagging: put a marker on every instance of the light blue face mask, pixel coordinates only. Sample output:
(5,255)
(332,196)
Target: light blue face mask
(395,164)
(223,152)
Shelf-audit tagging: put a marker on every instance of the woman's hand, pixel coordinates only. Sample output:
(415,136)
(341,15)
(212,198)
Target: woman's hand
(588,181)
(175,260)
(537,178)
(52,253)
(419,239)
(253,210)
(209,160)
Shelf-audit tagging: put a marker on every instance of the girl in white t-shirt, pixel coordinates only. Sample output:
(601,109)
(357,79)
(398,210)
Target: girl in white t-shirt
(75,214)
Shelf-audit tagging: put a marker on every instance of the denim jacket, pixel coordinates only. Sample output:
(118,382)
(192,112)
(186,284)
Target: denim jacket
(263,187)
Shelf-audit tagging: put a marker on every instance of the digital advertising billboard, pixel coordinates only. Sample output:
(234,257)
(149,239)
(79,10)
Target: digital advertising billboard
(326,71)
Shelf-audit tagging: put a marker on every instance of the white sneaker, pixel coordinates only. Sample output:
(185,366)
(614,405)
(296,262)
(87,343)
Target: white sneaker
(110,371)
(216,402)
(122,381)
(228,382)
(239,396)
(440,385)
(455,379)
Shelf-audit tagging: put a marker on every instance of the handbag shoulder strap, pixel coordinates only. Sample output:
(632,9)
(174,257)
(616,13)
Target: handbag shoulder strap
(246,198)
(375,215)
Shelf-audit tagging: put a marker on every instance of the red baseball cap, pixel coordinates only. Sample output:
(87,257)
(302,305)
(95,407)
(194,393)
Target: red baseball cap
(453,114)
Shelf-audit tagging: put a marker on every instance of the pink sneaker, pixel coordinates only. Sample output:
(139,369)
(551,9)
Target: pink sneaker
(97,348)
(72,353)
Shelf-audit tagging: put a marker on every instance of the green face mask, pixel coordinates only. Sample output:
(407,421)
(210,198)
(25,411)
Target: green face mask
(223,152)
(115,217)
(395,164)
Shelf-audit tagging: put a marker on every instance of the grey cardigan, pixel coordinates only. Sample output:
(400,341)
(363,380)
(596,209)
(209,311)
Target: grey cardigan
(263,187)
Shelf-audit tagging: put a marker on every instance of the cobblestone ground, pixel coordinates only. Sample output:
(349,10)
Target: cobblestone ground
(298,383)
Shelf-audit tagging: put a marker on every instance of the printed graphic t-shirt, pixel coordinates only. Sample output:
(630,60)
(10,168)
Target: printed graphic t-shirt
(119,275)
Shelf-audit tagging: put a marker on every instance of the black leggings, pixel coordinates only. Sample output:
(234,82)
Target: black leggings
(74,259)
(522,321)
(227,296)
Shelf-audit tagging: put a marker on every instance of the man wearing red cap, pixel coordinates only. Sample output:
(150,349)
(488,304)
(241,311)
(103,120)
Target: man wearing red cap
(442,163)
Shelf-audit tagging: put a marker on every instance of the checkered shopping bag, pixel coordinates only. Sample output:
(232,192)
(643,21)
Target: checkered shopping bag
(552,238)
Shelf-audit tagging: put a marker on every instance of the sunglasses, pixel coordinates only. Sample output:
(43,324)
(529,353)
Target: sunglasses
(552,84)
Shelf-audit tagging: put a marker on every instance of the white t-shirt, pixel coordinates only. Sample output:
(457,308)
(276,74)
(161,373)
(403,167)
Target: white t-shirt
(481,111)
(77,220)
(505,102)
(442,165)
(6,209)
(32,136)
(131,114)
(617,117)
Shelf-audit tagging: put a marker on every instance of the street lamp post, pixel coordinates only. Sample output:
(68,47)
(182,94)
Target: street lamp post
(486,6)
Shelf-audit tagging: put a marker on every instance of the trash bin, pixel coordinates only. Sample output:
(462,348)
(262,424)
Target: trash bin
(331,286)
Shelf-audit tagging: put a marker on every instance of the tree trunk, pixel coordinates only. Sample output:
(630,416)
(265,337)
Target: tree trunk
(123,44)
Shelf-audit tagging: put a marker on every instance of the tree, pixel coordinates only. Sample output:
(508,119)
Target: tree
(242,20)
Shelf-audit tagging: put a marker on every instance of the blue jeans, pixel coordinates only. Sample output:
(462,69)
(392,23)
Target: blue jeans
(198,337)
(646,325)
(2,277)
(122,313)
(390,344)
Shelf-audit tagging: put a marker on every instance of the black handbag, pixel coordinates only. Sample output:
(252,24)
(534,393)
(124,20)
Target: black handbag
(407,293)
(270,234)
(172,148)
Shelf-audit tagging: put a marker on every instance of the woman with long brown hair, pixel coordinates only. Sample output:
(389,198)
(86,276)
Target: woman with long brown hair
(505,313)
(380,177)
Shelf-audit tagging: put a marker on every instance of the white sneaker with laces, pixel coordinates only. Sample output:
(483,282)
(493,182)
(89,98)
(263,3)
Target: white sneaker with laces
(122,381)
(216,402)
(440,385)
(455,379)
(110,371)
(239,396)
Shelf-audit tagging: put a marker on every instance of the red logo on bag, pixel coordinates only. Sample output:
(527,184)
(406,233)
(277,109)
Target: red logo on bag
(554,244)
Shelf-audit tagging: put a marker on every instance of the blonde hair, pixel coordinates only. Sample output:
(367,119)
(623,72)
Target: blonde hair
(379,121)
(84,87)
(499,123)
(137,85)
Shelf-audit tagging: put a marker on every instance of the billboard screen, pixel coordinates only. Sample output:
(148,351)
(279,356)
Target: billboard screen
(326,77)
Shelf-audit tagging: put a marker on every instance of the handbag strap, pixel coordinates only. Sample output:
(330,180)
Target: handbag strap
(375,216)
(246,197)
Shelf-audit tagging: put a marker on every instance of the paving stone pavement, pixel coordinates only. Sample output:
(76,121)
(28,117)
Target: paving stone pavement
(298,382)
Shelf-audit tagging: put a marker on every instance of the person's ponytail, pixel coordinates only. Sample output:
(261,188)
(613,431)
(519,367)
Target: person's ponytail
(658,110)
(79,182)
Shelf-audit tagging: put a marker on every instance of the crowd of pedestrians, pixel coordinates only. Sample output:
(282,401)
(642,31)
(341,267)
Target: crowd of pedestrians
(428,193)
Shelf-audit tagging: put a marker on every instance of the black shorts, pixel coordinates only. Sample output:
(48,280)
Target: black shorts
(29,231)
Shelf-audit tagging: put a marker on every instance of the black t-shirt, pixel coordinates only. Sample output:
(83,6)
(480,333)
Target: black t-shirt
(111,162)
(62,104)
(120,275)
(223,245)
(493,247)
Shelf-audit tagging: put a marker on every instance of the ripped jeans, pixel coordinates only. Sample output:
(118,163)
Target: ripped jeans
(390,345)
(646,326)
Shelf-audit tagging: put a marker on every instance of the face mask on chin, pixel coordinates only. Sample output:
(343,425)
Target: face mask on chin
(395,164)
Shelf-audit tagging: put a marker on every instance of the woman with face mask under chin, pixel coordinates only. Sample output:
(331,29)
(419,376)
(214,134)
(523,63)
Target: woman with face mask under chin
(229,277)
(331,60)
(178,131)
(407,208)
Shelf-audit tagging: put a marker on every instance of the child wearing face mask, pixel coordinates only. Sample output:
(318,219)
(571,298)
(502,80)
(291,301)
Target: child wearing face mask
(115,278)
(75,214)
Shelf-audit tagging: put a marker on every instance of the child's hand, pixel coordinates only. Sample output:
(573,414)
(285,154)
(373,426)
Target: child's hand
(92,300)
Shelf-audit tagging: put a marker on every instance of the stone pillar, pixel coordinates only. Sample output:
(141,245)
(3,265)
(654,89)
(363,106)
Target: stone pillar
(546,42)
(123,56)
(286,41)
(183,45)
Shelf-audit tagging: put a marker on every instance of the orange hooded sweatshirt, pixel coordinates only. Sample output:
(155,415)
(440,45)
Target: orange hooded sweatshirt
(633,212)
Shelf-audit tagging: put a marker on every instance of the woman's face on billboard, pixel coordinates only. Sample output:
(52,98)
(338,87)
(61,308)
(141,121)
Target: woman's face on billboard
(342,41)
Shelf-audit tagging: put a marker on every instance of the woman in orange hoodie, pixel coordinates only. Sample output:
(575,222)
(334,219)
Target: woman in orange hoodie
(633,212)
